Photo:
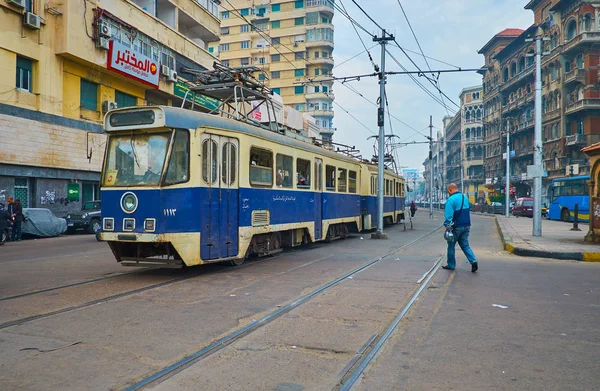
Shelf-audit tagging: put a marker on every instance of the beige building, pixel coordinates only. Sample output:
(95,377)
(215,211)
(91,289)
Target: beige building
(65,63)
(471,140)
(292,43)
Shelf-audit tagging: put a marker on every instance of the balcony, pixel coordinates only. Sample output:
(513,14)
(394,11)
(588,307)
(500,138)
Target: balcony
(583,104)
(551,115)
(522,126)
(588,37)
(320,113)
(327,131)
(320,6)
(320,95)
(518,78)
(474,161)
(575,139)
(474,178)
(575,76)
(524,151)
(319,43)
(322,60)
(472,140)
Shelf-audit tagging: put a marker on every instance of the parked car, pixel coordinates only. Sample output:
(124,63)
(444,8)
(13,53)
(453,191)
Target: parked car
(41,222)
(496,208)
(523,207)
(88,219)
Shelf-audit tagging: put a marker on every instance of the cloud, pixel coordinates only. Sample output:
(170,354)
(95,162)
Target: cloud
(449,30)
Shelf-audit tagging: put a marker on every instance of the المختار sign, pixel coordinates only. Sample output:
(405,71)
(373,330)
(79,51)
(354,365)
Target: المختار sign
(134,65)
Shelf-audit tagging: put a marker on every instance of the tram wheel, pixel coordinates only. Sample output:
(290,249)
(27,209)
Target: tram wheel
(237,262)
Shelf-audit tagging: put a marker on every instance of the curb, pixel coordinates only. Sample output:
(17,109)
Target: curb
(508,244)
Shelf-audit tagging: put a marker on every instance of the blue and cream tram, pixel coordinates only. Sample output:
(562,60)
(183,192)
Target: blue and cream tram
(186,188)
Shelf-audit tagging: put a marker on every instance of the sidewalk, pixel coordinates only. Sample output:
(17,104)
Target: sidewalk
(557,240)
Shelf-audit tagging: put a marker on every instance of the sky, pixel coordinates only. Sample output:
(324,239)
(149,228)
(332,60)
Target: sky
(448,30)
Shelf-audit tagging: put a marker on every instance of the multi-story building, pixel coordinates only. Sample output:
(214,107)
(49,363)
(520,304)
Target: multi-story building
(65,63)
(493,105)
(571,88)
(292,43)
(471,140)
(438,159)
(453,156)
(570,93)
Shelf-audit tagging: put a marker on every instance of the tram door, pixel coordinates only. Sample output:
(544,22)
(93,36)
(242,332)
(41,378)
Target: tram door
(318,199)
(219,235)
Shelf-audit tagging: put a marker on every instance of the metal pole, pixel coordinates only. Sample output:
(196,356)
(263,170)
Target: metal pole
(507,197)
(380,122)
(537,141)
(460,155)
(430,167)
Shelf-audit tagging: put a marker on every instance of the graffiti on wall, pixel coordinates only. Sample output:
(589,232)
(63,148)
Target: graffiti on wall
(50,199)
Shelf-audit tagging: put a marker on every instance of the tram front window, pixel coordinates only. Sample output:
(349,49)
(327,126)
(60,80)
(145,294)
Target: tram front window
(135,159)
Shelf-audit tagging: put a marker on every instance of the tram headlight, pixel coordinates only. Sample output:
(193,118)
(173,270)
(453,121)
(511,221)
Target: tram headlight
(129,202)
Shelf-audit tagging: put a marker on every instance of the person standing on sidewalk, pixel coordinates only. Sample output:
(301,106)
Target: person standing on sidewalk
(18,213)
(458,220)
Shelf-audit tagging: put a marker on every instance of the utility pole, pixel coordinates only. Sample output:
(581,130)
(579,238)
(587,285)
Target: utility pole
(430,167)
(507,196)
(460,155)
(380,122)
(536,170)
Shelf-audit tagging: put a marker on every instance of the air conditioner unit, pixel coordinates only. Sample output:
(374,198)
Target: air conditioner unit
(172,76)
(103,29)
(165,71)
(103,43)
(31,20)
(18,3)
(108,105)
(295,44)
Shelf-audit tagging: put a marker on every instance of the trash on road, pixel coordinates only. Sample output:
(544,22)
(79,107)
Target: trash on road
(500,306)
(294,347)
(232,295)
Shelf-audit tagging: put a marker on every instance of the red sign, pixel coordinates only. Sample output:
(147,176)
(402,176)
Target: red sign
(131,64)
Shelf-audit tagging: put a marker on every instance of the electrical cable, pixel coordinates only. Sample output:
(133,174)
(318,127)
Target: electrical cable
(421,50)
(375,67)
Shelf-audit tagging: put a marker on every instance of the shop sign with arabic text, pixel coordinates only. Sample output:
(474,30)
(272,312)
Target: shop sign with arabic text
(134,65)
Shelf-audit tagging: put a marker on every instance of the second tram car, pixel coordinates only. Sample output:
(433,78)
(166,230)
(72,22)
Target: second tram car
(186,188)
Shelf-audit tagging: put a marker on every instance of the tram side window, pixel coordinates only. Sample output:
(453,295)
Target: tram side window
(342,178)
(209,161)
(284,169)
(179,163)
(261,167)
(329,178)
(228,163)
(352,181)
(303,174)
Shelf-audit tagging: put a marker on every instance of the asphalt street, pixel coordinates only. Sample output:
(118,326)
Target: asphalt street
(519,323)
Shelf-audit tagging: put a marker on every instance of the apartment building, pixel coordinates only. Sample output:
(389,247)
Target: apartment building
(570,93)
(471,140)
(65,63)
(292,43)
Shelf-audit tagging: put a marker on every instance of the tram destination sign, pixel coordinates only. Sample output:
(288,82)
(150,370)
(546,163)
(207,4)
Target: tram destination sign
(180,89)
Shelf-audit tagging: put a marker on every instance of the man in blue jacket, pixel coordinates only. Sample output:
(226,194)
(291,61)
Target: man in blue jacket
(458,220)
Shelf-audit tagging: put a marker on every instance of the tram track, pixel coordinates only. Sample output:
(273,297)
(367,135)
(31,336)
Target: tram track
(173,369)
(358,365)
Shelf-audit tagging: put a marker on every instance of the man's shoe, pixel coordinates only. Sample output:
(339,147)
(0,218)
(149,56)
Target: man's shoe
(474,267)
(447,267)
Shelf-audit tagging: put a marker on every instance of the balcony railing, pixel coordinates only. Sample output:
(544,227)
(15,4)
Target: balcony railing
(575,139)
(518,78)
(551,115)
(583,104)
(584,37)
(473,140)
(319,3)
(576,75)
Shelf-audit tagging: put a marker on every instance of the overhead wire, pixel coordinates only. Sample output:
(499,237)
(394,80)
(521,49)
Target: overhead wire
(432,81)
(418,83)
(423,54)
(375,67)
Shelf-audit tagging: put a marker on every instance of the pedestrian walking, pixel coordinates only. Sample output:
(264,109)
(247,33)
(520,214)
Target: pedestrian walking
(10,210)
(18,221)
(458,221)
(413,208)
